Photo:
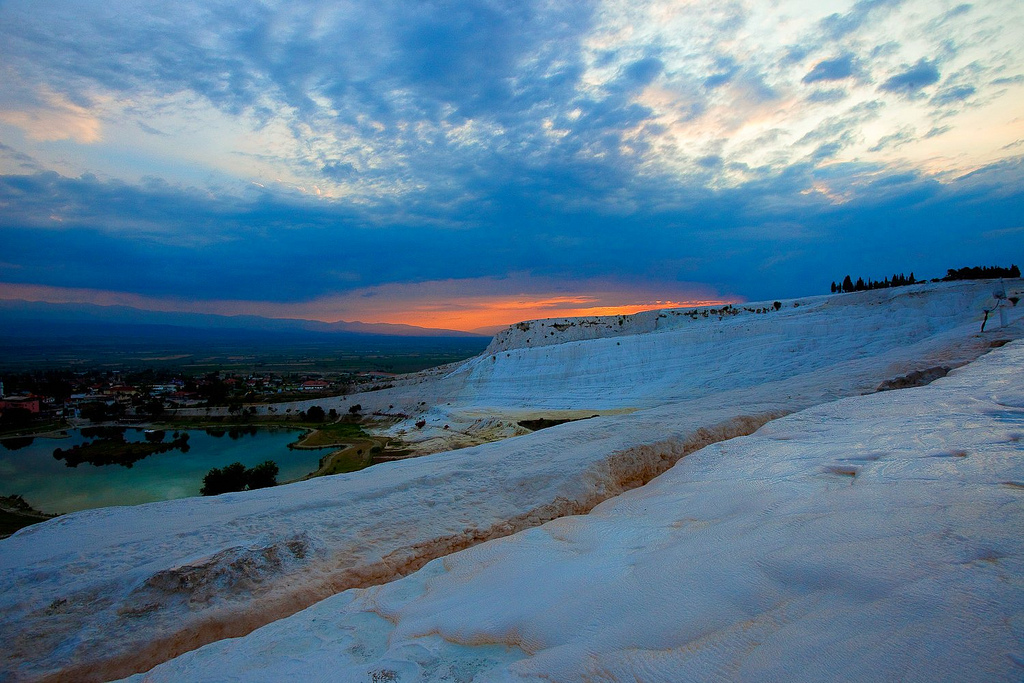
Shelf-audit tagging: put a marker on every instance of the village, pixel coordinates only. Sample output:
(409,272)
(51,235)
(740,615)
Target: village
(33,402)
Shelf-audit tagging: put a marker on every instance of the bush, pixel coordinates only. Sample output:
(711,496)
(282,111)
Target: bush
(153,407)
(236,477)
(315,414)
(217,480)
(100,412)
(263,475)
(982,272)
(16,417)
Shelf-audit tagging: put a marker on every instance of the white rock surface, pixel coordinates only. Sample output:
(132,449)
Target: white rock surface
(106,592)
(875,538)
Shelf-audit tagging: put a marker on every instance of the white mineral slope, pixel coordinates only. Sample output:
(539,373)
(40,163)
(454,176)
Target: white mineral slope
(875,538)
(683,357)
(549,367)
(103,593)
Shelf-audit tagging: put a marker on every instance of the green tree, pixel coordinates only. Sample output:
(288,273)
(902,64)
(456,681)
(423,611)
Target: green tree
(154,407)
(94,412)
(236,477)
(230,478)
(16,417)
(263,475)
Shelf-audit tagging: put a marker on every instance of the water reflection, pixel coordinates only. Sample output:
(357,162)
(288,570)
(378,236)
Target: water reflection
(29,467)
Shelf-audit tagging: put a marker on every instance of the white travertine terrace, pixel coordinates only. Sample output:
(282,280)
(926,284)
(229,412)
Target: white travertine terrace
(104,593)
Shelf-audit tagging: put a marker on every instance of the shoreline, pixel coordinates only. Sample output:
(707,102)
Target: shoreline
(348,455)
(16,514)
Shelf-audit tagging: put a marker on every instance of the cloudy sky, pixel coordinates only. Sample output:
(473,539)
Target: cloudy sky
(468,163)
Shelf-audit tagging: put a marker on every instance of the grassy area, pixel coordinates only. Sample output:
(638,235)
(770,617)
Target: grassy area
(356,457)
(332,434)
(329,355)
(16,514)
(32,429)
(12,521)
(170,421)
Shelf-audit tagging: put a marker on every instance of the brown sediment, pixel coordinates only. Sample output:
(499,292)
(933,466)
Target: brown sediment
(917,378)
(620,472)
(540,423)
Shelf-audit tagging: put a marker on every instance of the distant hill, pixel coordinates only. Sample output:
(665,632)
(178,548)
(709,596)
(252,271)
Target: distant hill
(29,319)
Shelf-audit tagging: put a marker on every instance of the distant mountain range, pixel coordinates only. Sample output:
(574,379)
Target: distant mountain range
(30,319)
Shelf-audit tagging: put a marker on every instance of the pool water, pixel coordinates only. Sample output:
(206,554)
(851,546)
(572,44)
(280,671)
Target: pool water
(49,485)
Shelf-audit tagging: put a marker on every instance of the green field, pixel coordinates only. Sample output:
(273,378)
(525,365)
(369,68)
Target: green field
(332,434)
(387,354)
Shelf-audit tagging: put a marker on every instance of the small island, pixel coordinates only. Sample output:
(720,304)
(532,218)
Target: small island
(113,449)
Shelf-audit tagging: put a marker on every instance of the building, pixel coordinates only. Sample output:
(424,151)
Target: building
(29,403)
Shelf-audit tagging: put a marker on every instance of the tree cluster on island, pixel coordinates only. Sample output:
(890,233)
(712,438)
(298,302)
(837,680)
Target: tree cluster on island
(111,447)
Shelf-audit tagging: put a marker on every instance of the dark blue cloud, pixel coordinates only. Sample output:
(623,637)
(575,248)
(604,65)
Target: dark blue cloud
(1009,80)
(893,140)
(828,150)
(952,95)
(843,128)
(828,96)
(384,67)
(726,70)
(913,79)
(837,25)
(831,69)
(23,161)
(959,10)
(274,248)
(387,60)
(151,130)
(399,76)
(641,72)
(941,24)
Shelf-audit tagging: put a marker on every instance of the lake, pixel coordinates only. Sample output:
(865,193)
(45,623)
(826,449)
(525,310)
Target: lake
(50,485)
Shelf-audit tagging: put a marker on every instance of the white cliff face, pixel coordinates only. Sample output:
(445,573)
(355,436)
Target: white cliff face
(106,592)
(580,367)
(873,538)
(680,355)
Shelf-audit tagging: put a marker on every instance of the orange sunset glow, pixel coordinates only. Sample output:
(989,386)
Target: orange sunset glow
(477,315)
(431,305)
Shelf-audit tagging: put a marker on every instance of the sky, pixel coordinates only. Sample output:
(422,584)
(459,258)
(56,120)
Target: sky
(468,164)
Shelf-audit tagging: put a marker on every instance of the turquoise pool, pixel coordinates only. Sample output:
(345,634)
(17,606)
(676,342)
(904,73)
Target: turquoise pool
(50,485)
